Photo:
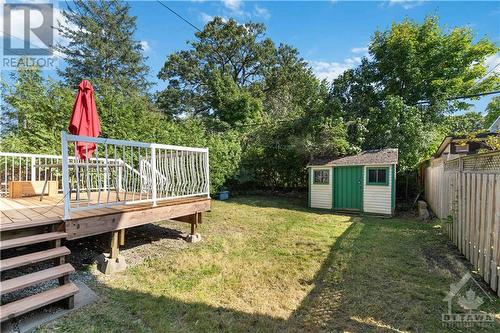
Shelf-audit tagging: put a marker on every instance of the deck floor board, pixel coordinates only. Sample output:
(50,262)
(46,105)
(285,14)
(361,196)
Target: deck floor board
(28,210)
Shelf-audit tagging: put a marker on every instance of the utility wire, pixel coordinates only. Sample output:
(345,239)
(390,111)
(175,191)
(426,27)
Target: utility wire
(483,78)
(492,69)
(465,96)
(18,38)
(421,102)
(474,95)
(179,15)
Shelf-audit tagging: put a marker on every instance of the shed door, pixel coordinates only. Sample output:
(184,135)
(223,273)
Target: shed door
(348,187)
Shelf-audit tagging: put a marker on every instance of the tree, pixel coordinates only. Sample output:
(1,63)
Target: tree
(463,124)
(234,105)
(397,125)
(34,113)
(492,111)
(411,63)
(223,53)
(422,62)
(101,47)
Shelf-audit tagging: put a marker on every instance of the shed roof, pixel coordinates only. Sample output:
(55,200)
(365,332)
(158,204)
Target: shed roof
(366,157)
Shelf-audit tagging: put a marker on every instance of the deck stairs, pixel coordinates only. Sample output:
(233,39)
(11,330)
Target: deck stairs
(17,245)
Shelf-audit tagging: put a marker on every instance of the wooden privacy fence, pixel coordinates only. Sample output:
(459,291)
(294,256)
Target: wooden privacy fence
(466,192)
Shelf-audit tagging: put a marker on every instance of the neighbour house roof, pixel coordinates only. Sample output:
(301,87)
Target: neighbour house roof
(495,127)
(447,140)
(367,157)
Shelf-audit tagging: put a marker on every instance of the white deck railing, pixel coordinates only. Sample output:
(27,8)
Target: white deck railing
(26,167)
(129,172)
(119,173)
(32,167)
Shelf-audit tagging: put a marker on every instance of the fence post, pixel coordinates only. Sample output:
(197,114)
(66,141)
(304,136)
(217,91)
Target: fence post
(65,175)
(153,173)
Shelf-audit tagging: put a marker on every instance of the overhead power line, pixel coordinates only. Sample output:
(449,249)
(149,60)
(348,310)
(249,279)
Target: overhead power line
(484,77)
(474,95)
(421,102)
(466,96)
(179,15)
(492,69)
(31,44)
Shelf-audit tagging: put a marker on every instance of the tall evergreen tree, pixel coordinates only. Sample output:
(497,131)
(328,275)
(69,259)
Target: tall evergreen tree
(101,46)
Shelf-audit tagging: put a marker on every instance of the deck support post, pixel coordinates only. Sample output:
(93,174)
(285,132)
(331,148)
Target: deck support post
(114,262)
(114,246)
(121,237)
(195,219)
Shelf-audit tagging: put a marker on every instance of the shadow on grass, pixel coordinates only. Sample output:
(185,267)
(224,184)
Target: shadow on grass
(379,275)
(85,250)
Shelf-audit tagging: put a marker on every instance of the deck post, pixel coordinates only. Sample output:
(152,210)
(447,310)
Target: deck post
(65,175)
(122,237)
(115,249)
(195,219)
(33,170)
(120,176)
(114,262)
(153,173)
(207,174)
(194,227)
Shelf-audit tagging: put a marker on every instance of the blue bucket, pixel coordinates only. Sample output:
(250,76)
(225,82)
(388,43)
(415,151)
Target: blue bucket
(223,195)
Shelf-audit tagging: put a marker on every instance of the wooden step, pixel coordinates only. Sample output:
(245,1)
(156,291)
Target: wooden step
(40,238)
(31,303)
(32,258)
(29,224)
(24,281)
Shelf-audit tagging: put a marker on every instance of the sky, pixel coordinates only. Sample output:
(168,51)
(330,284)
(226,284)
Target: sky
(331,36)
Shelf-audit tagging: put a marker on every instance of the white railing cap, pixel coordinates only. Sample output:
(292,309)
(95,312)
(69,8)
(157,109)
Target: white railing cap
(71,137)
(28,155)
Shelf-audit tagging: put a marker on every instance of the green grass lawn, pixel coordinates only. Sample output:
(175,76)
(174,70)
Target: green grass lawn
(270,264)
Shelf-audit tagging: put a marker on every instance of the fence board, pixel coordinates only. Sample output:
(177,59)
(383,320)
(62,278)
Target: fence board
(482,225)
(494,280)
(467,191)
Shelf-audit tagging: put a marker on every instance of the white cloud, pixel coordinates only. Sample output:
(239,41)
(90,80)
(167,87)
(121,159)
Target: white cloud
(145,46)
(262,12)
(235,9)
(205,18)
(331,70)
(406,4)
(491,62)
(233,5)
(363,50)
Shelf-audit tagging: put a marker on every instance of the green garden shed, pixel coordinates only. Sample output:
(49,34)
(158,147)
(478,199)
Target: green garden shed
(364,183)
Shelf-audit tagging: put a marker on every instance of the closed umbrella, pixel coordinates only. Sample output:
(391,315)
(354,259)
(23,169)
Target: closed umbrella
(84,120)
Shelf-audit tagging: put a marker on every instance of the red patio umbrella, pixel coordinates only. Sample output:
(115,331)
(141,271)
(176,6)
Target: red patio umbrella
(84,120)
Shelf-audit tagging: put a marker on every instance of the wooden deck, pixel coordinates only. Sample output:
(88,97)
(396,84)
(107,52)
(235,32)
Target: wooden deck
(30,212)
